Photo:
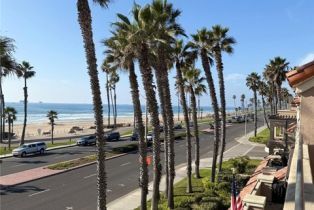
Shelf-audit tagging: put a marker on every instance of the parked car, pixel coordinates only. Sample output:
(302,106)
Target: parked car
(149,137)
(113,136)
(31,148)
(134,137)
(87,140)
(177,126)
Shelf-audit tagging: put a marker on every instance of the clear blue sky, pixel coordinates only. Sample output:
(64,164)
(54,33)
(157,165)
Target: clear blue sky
(47,35)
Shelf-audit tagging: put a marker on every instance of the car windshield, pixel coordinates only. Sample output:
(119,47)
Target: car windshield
(23,146)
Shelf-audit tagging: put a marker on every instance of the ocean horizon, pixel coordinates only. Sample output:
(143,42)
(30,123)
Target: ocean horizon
(74,111)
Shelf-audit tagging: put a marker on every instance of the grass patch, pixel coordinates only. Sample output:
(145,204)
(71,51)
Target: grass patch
(76,162)
(205,195)
(262,137)
(6,150)
(127,133)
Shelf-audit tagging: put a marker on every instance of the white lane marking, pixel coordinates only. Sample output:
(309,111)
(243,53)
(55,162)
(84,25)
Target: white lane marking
(18,165)
(109,190)
(125,164)
(249,150)
(182,145)
(121,185)
(89,176)
(39,192)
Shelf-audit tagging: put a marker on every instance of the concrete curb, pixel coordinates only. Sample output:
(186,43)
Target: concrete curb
(48,149)
(61,171)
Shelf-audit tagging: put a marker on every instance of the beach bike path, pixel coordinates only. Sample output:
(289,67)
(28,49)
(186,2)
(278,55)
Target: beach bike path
(77,189)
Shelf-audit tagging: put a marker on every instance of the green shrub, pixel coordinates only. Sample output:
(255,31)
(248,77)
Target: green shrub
(125,148)
(210,206)
(224,186)
(183,201)
(208,185)
(240,163)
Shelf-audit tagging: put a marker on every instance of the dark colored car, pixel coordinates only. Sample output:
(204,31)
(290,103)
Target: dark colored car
(134,137)
(177,126)
(113,136)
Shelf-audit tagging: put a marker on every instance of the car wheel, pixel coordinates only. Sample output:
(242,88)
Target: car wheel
(41,151)
(23,154)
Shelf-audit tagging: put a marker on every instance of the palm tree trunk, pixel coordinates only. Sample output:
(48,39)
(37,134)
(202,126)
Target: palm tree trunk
(255,113)
(140,131)
(112,104)
(108,98)
(147,78)
(170,132)
(52,129)
(85,21)
(9,136)
(279,95)
(264,110)
(1,109)
(115,105)
(25,112)
(210,81)
(223,105)
(178,107)
(165,120)
(187,125)
(196,136)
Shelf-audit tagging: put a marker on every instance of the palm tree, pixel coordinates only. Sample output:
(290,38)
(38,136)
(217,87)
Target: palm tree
(195,85)
(10,114)
(167,30)
(252,81)
(221,42)
(201,43)
(182,56)
(242,99)
(275,72)
(263,89)
(140,34)
(285,95)
(7,66)
(85,22)
(52,115)
(26,72)
(118,55)
(106,68)
(234,97)
(113,80)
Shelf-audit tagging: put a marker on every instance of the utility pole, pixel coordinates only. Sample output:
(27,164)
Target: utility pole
(245,119)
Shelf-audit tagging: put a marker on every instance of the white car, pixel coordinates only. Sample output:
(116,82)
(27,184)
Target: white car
(31,148)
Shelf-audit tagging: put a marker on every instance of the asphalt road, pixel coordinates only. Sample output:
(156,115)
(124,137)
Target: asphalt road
(77,189)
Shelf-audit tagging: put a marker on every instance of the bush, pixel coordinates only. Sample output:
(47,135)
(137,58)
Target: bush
(125,148)
(210,206)
(224,186)
(208,185)
(240,163)
(183,201)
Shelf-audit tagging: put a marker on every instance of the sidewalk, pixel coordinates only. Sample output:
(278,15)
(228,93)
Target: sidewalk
(132,199)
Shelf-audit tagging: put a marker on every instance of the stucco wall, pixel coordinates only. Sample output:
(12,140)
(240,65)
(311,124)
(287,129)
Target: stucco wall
(307,116)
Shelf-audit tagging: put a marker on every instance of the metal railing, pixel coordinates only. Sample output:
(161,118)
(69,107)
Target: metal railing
(299,199)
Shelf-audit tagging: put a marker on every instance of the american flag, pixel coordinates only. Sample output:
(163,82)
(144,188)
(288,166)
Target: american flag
(236,202)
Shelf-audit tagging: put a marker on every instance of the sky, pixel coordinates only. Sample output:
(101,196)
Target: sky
(47,34)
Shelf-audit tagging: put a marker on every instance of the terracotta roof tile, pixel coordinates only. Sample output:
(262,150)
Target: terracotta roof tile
(300,74)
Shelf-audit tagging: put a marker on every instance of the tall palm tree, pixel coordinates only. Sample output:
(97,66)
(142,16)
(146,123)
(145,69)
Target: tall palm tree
(275,72)
(201,43)
(106,68)
(26,72)
(52,115)
(118,54)
(263,89)
(195,84)
(182,56)
(252,82)
(234,97)
(7,67)
(242,99)
(85,22)
(167,30)
(113,80)
(140,34)
(10,114)
(221,42)
(285,95)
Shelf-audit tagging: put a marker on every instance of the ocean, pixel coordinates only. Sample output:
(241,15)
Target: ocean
(66,112)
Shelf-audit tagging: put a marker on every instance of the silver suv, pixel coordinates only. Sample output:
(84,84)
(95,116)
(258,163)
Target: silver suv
(36,147)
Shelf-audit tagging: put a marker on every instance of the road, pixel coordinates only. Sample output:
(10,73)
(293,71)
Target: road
(77,189)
